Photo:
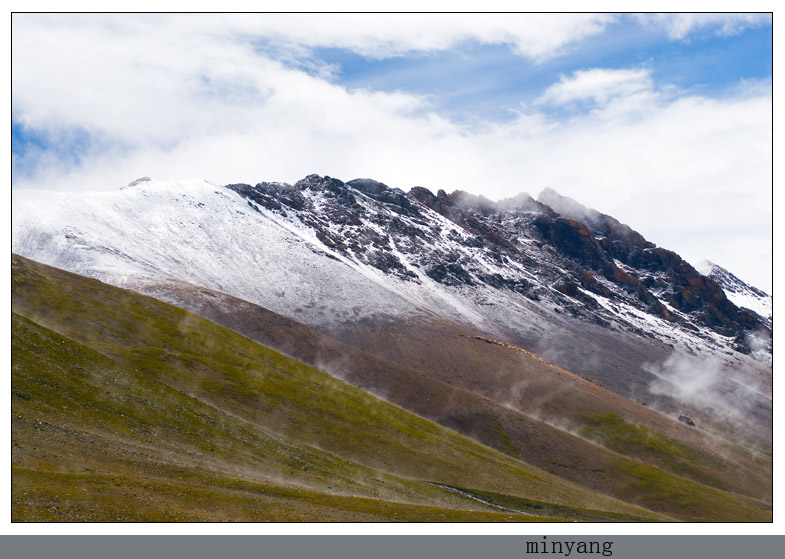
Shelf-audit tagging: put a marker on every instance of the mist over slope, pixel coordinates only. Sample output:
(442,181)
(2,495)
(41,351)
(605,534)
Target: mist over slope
(505,397)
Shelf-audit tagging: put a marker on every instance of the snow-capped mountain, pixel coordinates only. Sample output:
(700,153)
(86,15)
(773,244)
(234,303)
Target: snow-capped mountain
(549,275)
(741,294)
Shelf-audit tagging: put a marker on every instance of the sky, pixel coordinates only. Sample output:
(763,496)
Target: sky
(662,121)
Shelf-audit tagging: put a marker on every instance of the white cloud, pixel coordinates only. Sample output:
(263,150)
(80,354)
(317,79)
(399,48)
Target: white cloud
(536,35)
(598,85)
(161,78)
(680,25)
(185,98)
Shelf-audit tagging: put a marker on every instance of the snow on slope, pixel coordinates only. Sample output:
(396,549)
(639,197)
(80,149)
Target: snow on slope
(210,235)
(196,232)
(739,292)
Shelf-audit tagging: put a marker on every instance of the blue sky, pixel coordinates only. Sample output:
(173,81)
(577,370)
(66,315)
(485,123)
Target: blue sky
(490,82)
(662,121)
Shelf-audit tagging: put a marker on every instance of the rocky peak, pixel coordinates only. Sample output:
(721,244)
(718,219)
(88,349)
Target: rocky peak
(521,203)
(468,201)
(318,183)
(394,198)
(566,206)
(574,251)
(369,187)
(740,293)
(659,275)
(727,280)
(602,225)
(272,195)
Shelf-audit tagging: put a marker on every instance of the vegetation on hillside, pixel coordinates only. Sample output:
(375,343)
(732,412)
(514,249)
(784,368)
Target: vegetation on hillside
(128,409)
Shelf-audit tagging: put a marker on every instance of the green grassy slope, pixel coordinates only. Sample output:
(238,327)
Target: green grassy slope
(125,408)
(473,385)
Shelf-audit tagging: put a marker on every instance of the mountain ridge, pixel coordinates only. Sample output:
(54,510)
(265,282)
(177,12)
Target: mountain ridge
(356,260)
(741,293)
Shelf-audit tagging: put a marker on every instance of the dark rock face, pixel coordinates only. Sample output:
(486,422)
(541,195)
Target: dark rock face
(551,248)
(664,272)
(394,198)
(273,196)
(687,420)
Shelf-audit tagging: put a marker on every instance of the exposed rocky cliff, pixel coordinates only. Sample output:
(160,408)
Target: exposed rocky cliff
(552,247)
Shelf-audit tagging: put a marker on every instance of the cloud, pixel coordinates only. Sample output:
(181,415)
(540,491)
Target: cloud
(598,85)
(536,36)
(679,26)
(706,384)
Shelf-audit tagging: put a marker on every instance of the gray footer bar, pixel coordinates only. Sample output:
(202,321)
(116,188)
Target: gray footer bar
(391,547)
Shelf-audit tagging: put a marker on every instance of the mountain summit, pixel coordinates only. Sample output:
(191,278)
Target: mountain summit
(740,293)
(568,248)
